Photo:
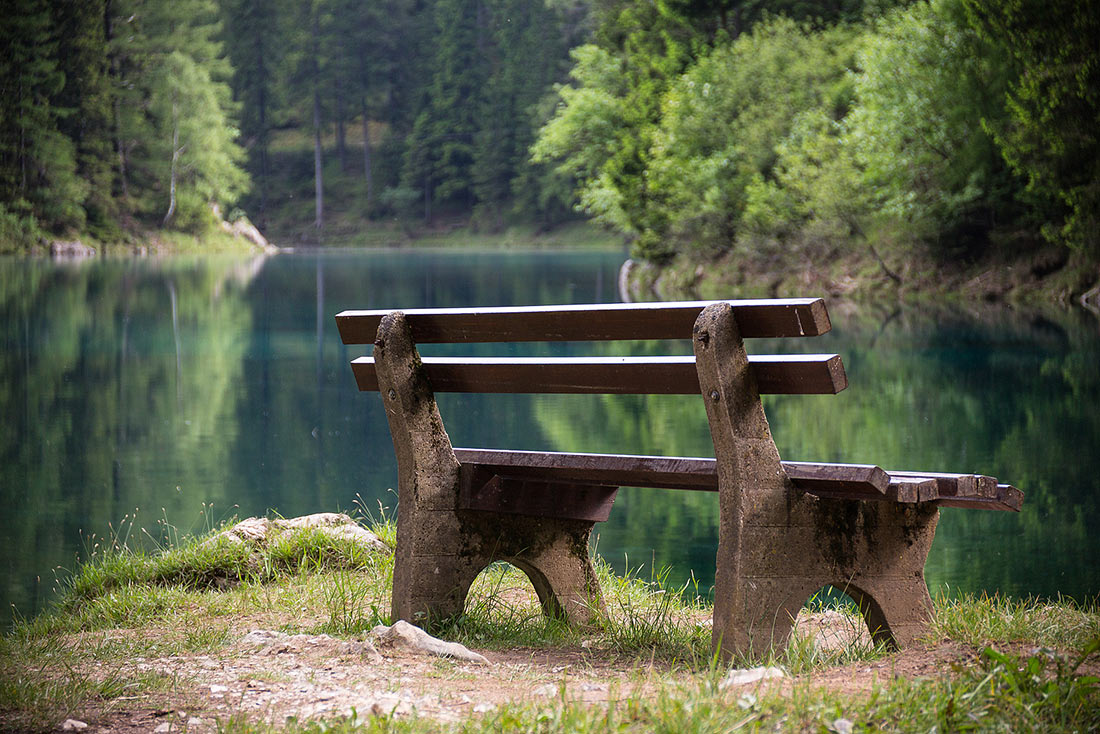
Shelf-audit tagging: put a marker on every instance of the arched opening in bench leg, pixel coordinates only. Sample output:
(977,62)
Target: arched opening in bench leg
(898,613)
(566,588)
(896,610)
(505,595)
(498,593)
(834,621)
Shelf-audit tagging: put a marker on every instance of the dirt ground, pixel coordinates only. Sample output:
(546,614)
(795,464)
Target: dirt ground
(271,677)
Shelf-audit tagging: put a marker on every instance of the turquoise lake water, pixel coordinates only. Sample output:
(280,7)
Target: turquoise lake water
(201,389)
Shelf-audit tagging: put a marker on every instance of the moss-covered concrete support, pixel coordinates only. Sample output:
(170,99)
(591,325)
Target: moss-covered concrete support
(441,548)
(777,546)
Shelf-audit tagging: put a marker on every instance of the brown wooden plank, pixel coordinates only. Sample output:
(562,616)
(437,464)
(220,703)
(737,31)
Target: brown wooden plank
(912,489)
(839,481)
(833,481)
(777,317)
(856,481)
(1007,499)
(668,472)
(809,374)
(955,485)
(1011,497)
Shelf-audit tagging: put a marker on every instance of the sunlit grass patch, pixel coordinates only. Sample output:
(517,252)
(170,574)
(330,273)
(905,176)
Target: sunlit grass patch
(650,616)
(502,610)
(984,619)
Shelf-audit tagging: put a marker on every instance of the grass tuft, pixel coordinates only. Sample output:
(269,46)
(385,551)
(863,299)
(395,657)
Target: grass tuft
(650,617)
(983,619)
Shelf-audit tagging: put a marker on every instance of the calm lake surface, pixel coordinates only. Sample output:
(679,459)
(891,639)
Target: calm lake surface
(193,391)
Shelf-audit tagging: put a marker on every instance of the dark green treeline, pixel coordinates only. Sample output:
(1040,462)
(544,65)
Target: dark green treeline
(126,115)
(397,108)
(116,113)
(954,129)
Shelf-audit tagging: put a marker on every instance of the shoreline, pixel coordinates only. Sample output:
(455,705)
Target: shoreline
(1047,278)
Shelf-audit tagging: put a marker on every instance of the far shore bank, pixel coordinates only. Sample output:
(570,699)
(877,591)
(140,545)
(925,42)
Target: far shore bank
(1049,276)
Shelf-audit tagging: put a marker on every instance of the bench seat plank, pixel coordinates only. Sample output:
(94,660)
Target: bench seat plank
(956,485)
(808,374)
(838,481)
(1008,498)
(774,317)
(664,472)
(827,480)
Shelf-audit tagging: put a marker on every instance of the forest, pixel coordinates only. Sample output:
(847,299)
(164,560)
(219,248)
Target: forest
(947,130)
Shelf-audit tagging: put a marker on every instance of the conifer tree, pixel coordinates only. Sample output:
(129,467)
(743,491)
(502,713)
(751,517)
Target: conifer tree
(441,145)
(87,93)
(256,42)
(37,162)
(524,59)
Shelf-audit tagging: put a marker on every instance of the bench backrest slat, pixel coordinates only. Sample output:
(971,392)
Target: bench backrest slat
(591,322)
(810,374)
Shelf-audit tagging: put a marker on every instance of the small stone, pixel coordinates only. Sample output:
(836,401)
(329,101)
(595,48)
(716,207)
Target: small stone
(73,725)
(165,728)
(404,634)
(262,637)
(482,708)
(390,707)
(744,676)
(842,726)
(219,689)
(547,689)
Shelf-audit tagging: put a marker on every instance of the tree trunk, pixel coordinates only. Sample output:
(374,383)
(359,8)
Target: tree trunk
(428,198)
(366,149)
(318,184)
(261,103)
(176,150)
(120,150)
(341,138)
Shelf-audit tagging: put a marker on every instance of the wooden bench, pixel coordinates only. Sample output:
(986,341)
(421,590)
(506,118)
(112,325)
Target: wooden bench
(786,529)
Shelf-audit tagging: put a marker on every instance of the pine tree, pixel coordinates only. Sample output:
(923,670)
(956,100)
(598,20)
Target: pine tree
(83,57)
(38,172)
(525,59)
(440,147)
(256,40)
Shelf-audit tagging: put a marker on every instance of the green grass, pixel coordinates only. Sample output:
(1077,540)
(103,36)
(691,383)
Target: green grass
(573,235)
(983,620)
(1026,671)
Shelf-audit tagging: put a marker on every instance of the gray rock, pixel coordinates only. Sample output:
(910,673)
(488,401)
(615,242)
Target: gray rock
(75,250)
(403,634)
(73,725)
(258,530)
(842,726)
(744,676)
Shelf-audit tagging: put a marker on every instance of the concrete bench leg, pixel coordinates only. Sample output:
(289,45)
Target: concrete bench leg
(440,548)
(777,546)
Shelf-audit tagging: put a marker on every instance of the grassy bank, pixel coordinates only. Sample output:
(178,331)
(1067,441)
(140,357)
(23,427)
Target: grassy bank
(135,633)
(215,241)
(457,234)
